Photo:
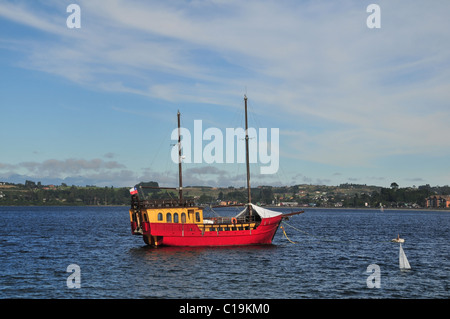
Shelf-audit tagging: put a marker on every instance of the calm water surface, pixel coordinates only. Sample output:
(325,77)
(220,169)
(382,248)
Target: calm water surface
(329,260)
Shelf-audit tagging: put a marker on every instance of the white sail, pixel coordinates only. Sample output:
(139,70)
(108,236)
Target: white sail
(262,212)
(403,261)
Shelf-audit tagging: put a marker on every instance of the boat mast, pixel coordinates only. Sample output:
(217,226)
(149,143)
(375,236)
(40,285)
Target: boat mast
(180,179)
(247,160)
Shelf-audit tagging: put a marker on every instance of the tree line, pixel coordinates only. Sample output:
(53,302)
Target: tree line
(346,195)
(32,193)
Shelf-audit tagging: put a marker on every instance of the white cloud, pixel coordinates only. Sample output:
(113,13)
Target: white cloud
(63,168)
(341,93)
(21,12)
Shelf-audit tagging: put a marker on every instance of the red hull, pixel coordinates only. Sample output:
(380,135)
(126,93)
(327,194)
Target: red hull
(171,234)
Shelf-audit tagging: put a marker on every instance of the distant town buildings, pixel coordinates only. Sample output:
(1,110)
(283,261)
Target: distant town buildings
(438,201)
(228,203)
(289,204)
(304,195)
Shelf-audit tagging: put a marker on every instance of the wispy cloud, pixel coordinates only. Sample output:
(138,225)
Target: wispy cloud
(341,93)
(72,170)
(63,167)
(39,19)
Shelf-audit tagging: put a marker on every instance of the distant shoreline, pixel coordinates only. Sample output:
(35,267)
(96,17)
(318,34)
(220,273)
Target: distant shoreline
(64,205)
(268,206)
(363,208)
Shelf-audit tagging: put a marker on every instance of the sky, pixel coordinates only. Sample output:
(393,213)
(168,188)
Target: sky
(96,105)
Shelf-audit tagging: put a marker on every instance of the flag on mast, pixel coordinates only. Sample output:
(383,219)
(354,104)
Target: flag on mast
(133,190)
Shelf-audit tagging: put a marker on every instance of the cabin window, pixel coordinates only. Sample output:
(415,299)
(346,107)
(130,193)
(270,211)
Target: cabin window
(183,218)
(160,216)
(175,218)
(197,217)
(169,217)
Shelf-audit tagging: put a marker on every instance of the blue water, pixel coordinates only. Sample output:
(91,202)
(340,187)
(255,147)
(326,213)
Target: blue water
(329,259)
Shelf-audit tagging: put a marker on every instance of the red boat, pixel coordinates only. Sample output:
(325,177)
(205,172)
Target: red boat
(180,222)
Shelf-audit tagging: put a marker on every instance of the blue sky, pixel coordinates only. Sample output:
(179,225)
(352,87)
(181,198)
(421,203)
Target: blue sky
(97,105)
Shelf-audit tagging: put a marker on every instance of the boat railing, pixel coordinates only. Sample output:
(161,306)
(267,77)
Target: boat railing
(231,220)
(162,203)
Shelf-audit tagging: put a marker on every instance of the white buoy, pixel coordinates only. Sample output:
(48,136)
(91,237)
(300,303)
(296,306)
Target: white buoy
(398,239)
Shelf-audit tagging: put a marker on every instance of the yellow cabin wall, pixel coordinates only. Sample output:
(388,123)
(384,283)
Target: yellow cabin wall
(151,215)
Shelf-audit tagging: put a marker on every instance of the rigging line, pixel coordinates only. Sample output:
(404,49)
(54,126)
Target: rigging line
(170,194)
(210,207)
(237,119)
(284,232)
(158,149)
(237,115)
(302,231)
(168,169)
(331,240)
(280,175)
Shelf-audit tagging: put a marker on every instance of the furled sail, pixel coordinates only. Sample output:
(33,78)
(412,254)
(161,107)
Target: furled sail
(262,212)
(403,261)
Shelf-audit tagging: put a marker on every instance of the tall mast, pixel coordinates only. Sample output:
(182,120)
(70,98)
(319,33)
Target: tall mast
(180,179)
(247,159)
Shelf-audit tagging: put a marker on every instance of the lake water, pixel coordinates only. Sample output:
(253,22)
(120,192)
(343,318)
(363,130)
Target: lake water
(332,251)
